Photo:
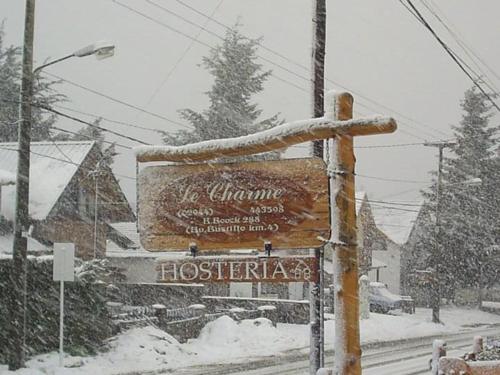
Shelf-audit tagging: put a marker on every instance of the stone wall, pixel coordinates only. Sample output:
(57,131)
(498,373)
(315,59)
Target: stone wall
(288,311)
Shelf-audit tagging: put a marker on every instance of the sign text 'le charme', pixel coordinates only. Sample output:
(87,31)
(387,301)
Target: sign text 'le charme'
(231,206)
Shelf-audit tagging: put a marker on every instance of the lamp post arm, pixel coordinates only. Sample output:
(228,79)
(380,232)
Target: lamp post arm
(38,69)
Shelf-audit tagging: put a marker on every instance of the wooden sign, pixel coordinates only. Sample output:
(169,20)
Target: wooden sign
(234,206)
(238,269)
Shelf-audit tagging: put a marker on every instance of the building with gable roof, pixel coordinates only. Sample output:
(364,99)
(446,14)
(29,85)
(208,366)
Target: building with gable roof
(63,178)
(396,224)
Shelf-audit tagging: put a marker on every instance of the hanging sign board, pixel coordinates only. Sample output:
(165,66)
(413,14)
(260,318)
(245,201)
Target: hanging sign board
(238,269)
(235,205)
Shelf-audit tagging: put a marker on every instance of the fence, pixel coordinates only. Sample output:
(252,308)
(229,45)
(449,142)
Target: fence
(466,365)
(182,323)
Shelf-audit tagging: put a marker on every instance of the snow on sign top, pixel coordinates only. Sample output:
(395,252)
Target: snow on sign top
(272,139)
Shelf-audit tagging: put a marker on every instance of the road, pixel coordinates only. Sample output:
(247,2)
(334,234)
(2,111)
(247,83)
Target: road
(409,357)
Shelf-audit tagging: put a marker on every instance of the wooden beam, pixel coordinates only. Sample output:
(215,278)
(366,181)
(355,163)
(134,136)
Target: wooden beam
(280,137)
(345,255)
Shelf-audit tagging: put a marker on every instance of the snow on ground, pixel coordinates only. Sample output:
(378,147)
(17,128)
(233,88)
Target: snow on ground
(491,304)
(225,340)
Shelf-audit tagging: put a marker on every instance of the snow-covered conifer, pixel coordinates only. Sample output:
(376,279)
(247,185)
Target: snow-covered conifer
(231,113)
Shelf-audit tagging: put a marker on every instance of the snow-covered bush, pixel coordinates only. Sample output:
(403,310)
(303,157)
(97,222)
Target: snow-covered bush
(87,322)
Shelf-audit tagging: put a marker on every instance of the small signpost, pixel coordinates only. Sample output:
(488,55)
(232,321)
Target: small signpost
(63,270)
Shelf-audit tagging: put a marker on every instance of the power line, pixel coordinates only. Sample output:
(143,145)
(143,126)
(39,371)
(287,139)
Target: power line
(383,146)
(133,106)
(393,179)
(470,49)
(377,205)
(274,52)
(453,55)
(395,203)
(182,56)
(192,38)
(109,120)
(393,145)
(90,138)
(467,49)
(76,119)
(61,160)
(296,64)
(307,79)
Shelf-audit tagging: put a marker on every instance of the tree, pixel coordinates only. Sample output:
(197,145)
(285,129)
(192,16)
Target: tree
(469,213)
(237,77)
(44,94)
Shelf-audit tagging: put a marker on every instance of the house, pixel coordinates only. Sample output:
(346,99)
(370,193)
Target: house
(395,225)
(62,204)
(415,277)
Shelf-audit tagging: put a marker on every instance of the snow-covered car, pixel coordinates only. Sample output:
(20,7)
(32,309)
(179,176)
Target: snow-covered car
(381,300)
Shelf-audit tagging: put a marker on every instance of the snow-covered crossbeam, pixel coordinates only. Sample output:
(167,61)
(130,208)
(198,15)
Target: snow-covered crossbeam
(276,138)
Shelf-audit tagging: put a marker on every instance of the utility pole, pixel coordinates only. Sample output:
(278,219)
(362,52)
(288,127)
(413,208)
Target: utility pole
(18,274)
(436,257)
(318,66)
(96,206)
(316,355)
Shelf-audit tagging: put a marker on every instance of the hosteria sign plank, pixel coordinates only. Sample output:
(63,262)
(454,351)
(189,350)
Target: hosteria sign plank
(241,269)
(234,206)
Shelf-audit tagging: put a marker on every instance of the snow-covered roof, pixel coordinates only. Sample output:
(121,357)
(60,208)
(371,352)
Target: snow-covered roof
(129,230)
(7,240)
(7,178)
(359,197)
(396,222)
(115,251)
(52,165)
(377,264)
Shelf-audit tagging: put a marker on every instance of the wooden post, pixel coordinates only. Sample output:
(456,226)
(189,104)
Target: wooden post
(18,275)
(438,351)
(345,256)
(338,123)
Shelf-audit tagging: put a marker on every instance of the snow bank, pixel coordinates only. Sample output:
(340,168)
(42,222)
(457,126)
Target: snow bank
(228,340)
(225,340)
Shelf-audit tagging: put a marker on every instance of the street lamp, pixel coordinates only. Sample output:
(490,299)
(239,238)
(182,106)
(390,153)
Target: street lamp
(21,222)
(101,50)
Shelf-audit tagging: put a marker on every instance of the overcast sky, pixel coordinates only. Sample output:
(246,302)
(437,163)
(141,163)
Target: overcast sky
(376,49)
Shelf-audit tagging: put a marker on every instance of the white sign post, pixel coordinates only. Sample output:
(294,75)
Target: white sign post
(64,270)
